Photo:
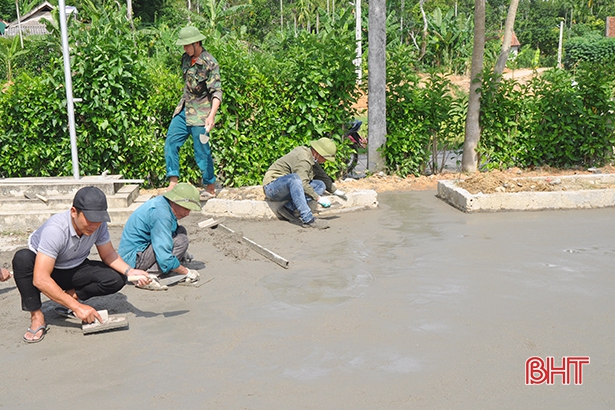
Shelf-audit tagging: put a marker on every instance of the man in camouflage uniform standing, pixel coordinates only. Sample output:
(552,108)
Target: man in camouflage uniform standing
(195,114)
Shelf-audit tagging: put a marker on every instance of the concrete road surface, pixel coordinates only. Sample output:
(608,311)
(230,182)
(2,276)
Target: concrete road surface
(414,305)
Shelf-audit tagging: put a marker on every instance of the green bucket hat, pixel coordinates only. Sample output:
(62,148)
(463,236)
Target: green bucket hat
(325,147)
(189,35)
(185,195)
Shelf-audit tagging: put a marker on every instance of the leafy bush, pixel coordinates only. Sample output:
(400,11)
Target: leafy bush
(421,119)
(501,118)
(299,88)
(113,129)
(34,139)
(592,49)
(561,119)
(573,118)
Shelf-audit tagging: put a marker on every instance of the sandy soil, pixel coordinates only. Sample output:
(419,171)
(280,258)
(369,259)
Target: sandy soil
(463,82)
(485,182)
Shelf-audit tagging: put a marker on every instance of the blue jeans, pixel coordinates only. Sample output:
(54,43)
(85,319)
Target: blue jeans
(176,136)
(290,188)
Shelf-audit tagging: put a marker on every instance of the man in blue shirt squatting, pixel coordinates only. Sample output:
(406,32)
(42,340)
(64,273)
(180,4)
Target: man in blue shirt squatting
(152,239)
(56,263)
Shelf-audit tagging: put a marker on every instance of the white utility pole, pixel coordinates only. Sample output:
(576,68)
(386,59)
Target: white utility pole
(376,102)
(359,59)
(19,22)
(69,89)
(559,47)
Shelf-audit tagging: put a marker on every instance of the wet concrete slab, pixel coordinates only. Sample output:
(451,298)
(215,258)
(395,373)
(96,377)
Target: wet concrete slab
(413,305)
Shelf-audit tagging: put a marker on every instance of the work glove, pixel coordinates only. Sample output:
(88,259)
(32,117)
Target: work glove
(324,201)
(192,276)
(341,194)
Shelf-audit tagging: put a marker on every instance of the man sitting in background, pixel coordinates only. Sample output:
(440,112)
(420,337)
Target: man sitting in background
(298,177)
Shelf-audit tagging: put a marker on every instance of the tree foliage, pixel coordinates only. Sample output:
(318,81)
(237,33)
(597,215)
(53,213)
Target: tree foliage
(284,87)
(297,89)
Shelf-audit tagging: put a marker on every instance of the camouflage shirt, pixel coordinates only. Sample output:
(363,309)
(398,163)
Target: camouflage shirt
(201,84)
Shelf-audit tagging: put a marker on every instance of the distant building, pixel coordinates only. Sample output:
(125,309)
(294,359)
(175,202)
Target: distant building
(31,22)
(514,44)
(610,26)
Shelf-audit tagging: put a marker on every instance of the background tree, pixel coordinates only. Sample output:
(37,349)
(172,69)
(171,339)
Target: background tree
(472,135)
(508,32)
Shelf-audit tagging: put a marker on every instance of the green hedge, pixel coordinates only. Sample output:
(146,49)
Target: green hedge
(300,88)
(293,89)
(592,49)
(561,119)
(277,99)
(421,119)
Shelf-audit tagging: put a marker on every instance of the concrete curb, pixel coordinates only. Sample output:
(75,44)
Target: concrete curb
(264,209)
(532,201)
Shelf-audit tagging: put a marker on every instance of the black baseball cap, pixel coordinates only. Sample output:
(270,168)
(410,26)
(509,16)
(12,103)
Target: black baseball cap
(93,203)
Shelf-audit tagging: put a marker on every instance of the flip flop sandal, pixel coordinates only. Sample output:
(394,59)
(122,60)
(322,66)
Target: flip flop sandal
(44,328)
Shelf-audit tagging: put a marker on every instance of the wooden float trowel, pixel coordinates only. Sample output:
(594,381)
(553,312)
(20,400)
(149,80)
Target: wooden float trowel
(109,322)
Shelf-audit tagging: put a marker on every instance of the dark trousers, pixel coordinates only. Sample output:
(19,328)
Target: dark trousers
(147,259)
(91,278)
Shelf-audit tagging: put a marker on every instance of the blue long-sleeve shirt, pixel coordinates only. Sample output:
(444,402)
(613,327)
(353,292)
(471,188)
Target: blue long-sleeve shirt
(152,223)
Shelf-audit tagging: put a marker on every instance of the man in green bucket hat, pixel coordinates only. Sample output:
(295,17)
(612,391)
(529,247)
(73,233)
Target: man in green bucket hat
(153,240)
(297,177)
(196,112)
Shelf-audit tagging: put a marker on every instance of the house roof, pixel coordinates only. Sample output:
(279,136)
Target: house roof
(514,41)
(31,22)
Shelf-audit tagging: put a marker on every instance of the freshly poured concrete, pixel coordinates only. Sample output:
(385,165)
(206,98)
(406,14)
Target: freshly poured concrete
(413,305)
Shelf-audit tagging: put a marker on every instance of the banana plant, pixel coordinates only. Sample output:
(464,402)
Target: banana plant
(217,11)
(449,38)
(9,51)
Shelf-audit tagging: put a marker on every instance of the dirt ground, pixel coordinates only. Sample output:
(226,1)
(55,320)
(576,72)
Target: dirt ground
(485,182)
(513,179)
(463,82)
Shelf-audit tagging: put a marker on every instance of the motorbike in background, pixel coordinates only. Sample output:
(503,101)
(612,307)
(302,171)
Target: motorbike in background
(357,142)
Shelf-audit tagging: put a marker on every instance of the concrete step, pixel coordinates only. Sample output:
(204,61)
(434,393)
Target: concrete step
(125,196)
(25,203)
(30,220)
(255,208)
(58,186)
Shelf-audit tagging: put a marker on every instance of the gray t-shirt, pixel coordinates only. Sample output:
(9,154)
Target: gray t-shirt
(57,239)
